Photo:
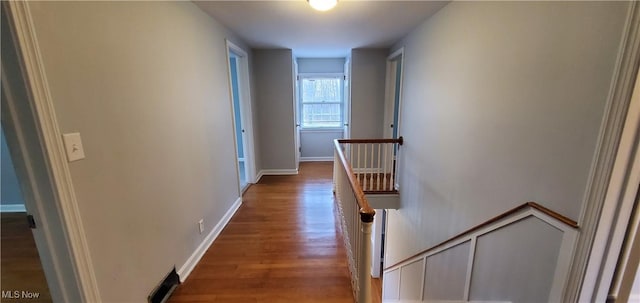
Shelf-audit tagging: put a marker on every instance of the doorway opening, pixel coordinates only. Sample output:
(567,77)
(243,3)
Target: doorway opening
(21,263)
(241,108)
(393,100)
(391,130)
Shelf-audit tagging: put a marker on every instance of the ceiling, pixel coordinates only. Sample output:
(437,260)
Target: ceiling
(294,24)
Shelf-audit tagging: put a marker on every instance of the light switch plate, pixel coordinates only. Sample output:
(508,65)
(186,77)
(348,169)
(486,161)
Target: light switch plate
(73,146)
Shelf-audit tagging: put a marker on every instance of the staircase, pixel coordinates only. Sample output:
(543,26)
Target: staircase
(364,178)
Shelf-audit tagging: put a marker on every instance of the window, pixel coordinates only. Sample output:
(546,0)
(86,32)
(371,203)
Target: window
(321,102)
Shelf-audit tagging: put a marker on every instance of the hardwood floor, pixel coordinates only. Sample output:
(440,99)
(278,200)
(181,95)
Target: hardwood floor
(283,245)
(20,263)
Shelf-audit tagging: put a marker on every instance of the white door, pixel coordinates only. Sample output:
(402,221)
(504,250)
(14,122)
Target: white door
(296,90)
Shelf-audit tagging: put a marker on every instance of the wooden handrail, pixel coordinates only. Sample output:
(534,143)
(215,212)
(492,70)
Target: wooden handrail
(380,192)
(569,222)
(366,212)
(400,140)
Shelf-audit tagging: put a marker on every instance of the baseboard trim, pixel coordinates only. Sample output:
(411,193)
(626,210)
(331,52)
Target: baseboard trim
(12,208)
(193,260)
(316,159)
(277,172)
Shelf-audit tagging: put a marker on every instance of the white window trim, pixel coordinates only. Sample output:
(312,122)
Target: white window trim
(341,76)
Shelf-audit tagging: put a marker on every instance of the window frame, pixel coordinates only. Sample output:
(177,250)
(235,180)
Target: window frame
(338,76)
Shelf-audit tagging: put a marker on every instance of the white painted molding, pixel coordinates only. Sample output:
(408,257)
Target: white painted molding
(236,49)
(395,54)
(246,115)
(618,208)
(584,270)
(186,269)
(560,274)
(12,208)
(277,172)
(316,159)
(51,139)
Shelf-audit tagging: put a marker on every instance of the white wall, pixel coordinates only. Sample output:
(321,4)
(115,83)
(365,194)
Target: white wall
(273,91)
(368,71)
(146,84)
(502,104)
(9,188)
(319,143)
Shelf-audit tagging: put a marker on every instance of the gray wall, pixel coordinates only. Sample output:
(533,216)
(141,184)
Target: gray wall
(146,84)
(319,143)
(273,92)
(320,65)
(368,72)
(10,188)
(503,102)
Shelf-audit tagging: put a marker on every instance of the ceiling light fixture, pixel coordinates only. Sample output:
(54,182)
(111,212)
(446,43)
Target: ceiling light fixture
(323,5)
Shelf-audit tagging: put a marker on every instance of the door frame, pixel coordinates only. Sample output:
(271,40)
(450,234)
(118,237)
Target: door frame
(44,169)
(246,113)
(346,115)
(395,58)
(379,225)
(590,276)
(297,124)
(607,271)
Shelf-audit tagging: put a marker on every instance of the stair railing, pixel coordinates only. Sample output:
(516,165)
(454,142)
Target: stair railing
(375,168)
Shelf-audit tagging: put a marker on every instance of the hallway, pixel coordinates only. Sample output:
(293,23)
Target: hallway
(283,245)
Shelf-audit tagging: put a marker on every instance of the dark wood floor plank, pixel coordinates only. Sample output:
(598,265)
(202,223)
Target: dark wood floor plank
(20,269)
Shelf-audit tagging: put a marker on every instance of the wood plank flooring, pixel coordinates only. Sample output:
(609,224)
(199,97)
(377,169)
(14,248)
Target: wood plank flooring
(20,268)
(283,245)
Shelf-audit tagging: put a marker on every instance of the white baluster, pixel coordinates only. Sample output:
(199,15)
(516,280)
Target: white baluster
(391,167)
(364,171)
(358,168)
(378,168)
(371,171)
(384,171)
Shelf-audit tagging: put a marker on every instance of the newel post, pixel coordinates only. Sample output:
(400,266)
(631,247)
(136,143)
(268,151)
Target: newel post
(364,266)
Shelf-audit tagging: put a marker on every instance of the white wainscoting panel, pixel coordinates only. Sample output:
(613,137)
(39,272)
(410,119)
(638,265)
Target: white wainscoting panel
(411,277)
(391,286)
(452,264)
(520,258)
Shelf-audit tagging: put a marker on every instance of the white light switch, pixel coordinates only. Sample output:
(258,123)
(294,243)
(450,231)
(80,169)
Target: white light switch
(73,145)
